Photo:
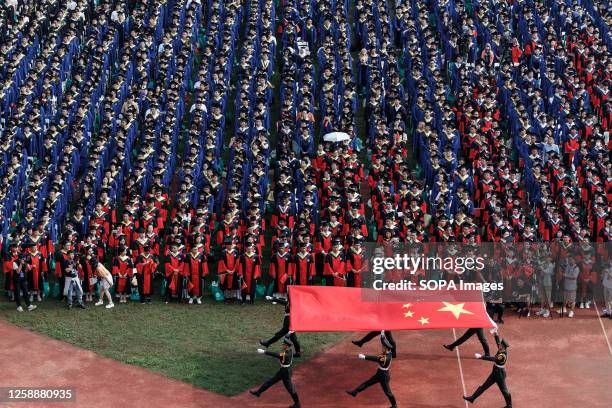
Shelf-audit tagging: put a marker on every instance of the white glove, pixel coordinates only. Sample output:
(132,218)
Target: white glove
(261,351)
(268,297)
(493,330)
(274,303)
(362,356)
(382,332)
(478,355)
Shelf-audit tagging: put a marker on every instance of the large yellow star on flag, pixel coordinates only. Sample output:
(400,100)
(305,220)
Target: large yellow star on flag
(424,320)
(456,310)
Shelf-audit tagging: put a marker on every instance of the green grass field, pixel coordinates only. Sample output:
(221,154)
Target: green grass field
(212,346)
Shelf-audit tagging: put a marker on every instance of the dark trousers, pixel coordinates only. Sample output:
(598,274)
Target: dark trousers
(21,285)
(497,376)
(62,284)
(469,333)
(495,308)
(381,377)
(373,334)
(251,295)
(143,297)
(284,375)
(179,290)
(7,282)
(282,333)
(244,292)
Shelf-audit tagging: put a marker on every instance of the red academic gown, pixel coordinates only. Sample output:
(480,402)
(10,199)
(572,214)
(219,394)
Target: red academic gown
(62,255)
(303,268)
(145,267)
(335,262)
(354,265)
(88,272)
(323,245)
(282,212)
(225,229)
(174,263)
(196,268)
(250,266)
(279,270)
(228,267)
(7,265)
(37,266)
(123,269)
(102,218)
(137,248)
(128,231)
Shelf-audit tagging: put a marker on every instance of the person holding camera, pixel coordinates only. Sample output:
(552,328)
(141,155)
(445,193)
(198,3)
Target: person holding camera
(72,283)
(20,282)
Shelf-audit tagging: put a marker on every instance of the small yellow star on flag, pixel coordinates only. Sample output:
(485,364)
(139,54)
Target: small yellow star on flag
(408,314)
(456,310)
(407,305)
(424,320)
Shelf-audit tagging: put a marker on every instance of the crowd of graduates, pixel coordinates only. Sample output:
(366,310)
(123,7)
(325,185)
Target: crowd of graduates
(187,138)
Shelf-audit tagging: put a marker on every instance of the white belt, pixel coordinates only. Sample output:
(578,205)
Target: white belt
(383,368)
(498,366)
(286,314)
(285,366)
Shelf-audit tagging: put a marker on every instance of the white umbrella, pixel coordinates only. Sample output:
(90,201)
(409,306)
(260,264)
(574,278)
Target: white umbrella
(336,137)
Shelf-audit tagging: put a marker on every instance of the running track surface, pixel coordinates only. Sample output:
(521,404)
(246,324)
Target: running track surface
(553,363)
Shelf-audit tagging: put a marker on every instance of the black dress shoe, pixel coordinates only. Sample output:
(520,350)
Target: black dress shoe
(263,343)
(446,346)
(352,393)
(82,306)
(469,399)
(255,393)
(355,342)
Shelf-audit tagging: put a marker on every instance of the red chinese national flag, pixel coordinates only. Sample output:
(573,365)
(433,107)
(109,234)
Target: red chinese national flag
(328,308)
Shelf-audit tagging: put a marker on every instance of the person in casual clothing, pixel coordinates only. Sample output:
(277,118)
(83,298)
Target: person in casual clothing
(72,283)
(20,283)
(105,280)
(607,289)
(546,269)
(570,276)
